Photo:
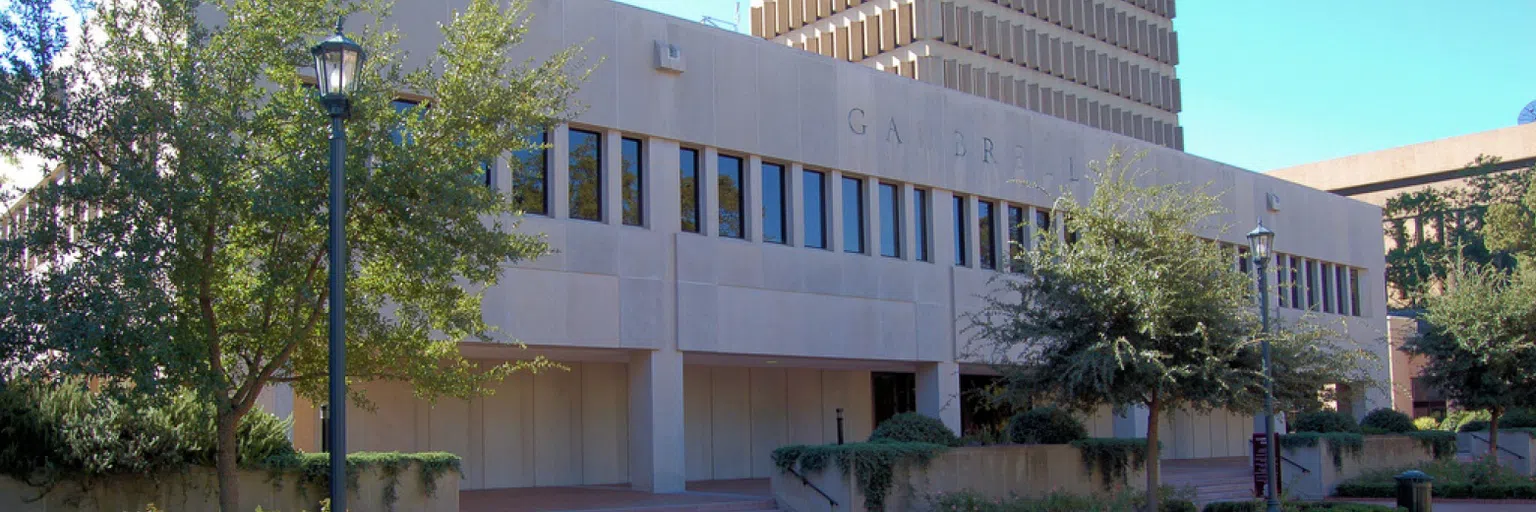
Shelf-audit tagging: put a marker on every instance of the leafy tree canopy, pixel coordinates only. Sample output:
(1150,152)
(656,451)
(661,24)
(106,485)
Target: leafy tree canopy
(1480,339)
(183,243)
(1139,309)
(1432,227)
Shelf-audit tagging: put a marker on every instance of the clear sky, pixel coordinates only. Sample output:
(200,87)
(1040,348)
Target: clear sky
(1270,84)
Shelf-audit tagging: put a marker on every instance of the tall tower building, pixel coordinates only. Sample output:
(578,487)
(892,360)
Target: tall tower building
(1109,64)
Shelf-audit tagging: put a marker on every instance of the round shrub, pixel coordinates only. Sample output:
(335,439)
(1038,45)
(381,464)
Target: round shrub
(1045,425)
(1454,419)
(1426,423)
(911,427)
(1518,418)
(1326,421)
(1473,426)
(1388,420)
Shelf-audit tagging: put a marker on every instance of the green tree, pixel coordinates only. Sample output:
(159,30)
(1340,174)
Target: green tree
(1140,310)
(185,244)
(1480,343)
(1433,226)
(1511,225)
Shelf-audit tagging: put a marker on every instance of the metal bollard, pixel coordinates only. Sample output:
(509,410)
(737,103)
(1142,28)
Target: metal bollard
(1413,491)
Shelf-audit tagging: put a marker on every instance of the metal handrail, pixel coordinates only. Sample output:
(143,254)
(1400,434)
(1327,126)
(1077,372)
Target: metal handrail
(813,487)
(1293,463)
(1501,448)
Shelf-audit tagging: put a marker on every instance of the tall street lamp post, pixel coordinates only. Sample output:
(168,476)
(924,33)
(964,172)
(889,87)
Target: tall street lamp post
(337,60)
(1259,242)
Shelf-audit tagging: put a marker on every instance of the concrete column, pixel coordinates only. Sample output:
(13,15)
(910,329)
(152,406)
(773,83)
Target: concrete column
(613,177)
(657,461)
(942,239)
(872,238)
(907,213)
(834,216)
(559,162)
(752,191)
(1132,422)
(794,206)
(709,198)
(938,392)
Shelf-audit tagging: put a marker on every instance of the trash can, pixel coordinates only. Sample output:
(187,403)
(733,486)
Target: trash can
(1413,489)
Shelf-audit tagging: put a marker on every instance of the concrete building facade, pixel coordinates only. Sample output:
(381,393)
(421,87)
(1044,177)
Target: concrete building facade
(1109,64)
(781,249)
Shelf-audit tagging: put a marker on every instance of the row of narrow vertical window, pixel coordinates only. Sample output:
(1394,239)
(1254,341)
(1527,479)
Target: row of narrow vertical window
(1310,284)
(1102,21)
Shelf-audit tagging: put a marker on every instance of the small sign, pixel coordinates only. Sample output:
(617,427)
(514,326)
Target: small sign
(1261,466)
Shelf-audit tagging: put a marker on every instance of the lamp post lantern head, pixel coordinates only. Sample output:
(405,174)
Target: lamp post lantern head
(1260,241)
(337,60)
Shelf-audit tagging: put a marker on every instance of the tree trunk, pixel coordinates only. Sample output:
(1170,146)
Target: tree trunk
(1153,466)
(1493,434)
(225,466)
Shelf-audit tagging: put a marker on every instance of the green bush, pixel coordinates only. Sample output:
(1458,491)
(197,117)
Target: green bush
(874,463)
(911,427)
(1170,500)
(1518,418)
(1045,425)
(1474,426)
(62,430)
(1388,420)
(1258,506)
(1441,443)
(1112,457)
(1326,421)
(1426,423)
(1480,480)
(1454,419)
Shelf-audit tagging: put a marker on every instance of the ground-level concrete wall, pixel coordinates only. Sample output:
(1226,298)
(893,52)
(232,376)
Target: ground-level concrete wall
(571,427)
(1322,476)
(197,490)
(1517,450)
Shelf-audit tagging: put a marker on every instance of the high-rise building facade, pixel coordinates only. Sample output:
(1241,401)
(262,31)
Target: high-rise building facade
(1109,64)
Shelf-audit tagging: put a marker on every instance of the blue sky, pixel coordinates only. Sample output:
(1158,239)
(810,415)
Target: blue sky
(1273,84)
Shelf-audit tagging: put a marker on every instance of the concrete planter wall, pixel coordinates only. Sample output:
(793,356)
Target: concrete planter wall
(1322,477)
(197,489)
(992,471)
(1516,449)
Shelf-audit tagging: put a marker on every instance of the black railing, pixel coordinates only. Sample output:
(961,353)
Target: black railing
(1501,448)
(813,487)
(1293,463)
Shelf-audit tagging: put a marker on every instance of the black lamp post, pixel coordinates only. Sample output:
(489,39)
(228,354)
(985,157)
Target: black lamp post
(337,60)
(1259,242)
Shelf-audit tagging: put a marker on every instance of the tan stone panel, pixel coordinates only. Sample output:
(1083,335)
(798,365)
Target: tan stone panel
(1100,26)
(1116,122)
(1114,76)
(1173,48)
(1033,97)
(856,41)
(1071,107)
(1057,67)
(781,20)
(828,44)
(1143,38)
(1010,92)
(888,22)
(770,417)
(1135,90)
(842,43)
(1157,132)
(906,25)
(989,23)
(605,423)
(1059,103)
(978,31)
(872,35)
(1178,104)
(1122,31)
(994,85)
(979,81)
(757,22)
(796,13)
(966,79)
(1093,114)
(951,74)
(1081,64)
(1047,105)
(963,26)
(823,8)
(1019,43)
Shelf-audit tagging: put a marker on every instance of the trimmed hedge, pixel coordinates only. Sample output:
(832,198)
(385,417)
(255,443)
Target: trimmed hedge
(1481,480)
(1170,500)
(1045,425)
(1258,506)
(1388,420)
(874,461)
(1483,492)
(911,427)
(1325,422)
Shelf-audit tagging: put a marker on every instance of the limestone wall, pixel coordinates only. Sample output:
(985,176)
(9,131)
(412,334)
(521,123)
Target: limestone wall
(1322,477)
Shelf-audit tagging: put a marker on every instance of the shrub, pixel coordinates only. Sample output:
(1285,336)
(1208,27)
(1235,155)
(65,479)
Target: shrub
(1326,421)
(1388,420)
(61,430)
(1170,500)
(873,463)
(1112,457)
(1481,480)
(1474,426)
(911,427)
(1441,443)
(1258,506)
(1518,418)
(1045,425)
(1426,423)
(1454,419)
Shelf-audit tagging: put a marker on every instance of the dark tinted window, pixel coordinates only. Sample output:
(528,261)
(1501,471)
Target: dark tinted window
(586,166)
(853,215)
(1016,241)
(958,205)
(634,180)
(773,203)
(732,207)
(985,235)
(530,174)
(688,172)
(920,223)
(815,210)
(890,220)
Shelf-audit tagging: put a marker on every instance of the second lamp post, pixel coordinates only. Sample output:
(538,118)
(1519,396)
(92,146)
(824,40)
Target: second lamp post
(1260,241)
(337,60)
